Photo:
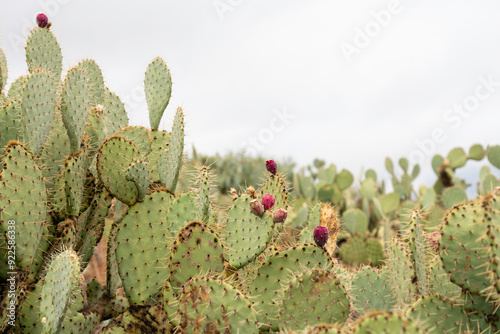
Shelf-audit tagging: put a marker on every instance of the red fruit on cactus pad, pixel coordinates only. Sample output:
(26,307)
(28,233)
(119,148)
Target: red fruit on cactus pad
(320,235)
(271,166)
(280,216)
(42,20)
(268,201)
(256,208)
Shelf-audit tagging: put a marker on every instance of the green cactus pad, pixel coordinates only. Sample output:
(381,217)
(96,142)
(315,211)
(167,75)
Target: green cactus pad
(43,52)
(170,161)
(54,152)
(476,152)
(96,82)
(11,127)
(75,321)
(61,282)
(138,135)
(96,128)
(439,281)
(436,314)
(428,198)
(204,193)
(38,108)
(385,323)
(158,88)
(138,173)
(30,322)
(90,233)
(306,185)
(355,221)
(74,180)
(276,186)
(214,306)
(114,112)
(344,179)
(315,296)
(23,204)
(457,157)
(16,88)
(75,105)
(266,288)
(488,184)
(353,252)
(401,274)
(183,210)
(113,160)
(371,290)
(246,235)
(389,202)
(197,251)
(142,243)
(160,140)
(494,155)
(467,248)
(418,247)
(453,196)
(374,252)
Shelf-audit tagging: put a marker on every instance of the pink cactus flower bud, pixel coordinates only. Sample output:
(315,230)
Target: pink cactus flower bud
(434,240)
(268,201)
(42,20)
(320,235)
(280,216)
(256,208)
(271,166)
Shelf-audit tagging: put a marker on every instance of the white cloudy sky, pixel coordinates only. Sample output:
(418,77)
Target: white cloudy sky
(235,63)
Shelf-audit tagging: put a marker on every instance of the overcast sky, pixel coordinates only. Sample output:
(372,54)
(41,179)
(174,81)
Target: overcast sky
(350,82)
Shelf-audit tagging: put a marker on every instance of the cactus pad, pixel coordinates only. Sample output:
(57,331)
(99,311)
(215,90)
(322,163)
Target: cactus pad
(75,105)
(113,161)
(23,201)
(246,235)
(315,296)
(214,306)
(158,87)
(266,288)
(38,108)
(142,243)
(43,52)
(61,282)
(170,161)
(196,251)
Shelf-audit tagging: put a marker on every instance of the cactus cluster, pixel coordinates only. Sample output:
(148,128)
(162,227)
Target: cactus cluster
(329,257)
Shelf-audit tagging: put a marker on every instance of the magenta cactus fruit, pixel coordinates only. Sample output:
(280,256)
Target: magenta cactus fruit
(256,208)
(320,235)
(280,216)
(268,201)
(42,20)
(271,166)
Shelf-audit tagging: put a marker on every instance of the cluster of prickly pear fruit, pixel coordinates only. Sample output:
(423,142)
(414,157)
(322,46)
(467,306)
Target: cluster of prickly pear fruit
(75,174)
